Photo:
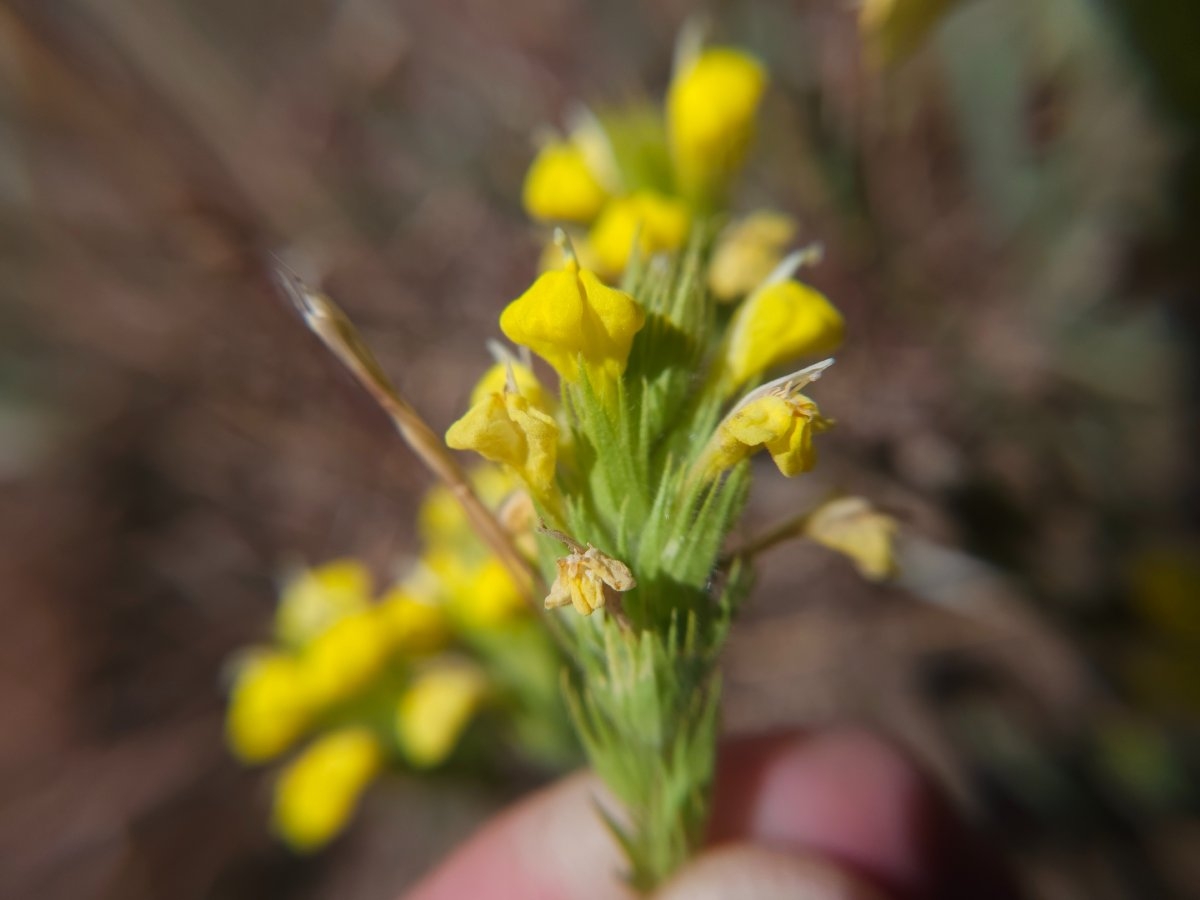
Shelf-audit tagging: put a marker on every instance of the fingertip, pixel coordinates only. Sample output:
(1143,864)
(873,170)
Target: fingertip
(844,794)
(551,845)
(751,872)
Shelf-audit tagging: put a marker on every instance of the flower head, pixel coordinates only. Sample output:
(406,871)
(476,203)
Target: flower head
(345,657)
(560,186)
(506,428)
(435,710)
(747,252)
(269,708)
(585,576)
(416,625)
(711,106)
(776,416)
(654,223)
(315,598)
(316,795)
(569,317)
(779,322)
(851,526)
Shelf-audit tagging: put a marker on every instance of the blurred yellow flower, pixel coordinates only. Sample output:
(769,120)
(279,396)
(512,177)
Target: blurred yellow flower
(506,428)
(269,708)
(435,710)
(778,323)
(851,526)
(441,520)
(653,222)
(560,186)
(318,792)
(346,657)
(711,106)
(747,252)
(489,597)
(416,625)
(570,317)
(892,29)
(315,598)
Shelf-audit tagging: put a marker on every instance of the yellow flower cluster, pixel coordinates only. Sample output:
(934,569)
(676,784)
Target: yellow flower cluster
(705,130)
(341,655)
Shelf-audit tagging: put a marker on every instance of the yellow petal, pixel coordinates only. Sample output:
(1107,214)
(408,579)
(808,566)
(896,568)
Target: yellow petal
(488,597)
(777,324)
(850,525)
(570,315)
(760,421)
(561,187)
(652,222)
(315,598)
(495,380)
(435,710)
(316,794)
(711,106)
(269,708)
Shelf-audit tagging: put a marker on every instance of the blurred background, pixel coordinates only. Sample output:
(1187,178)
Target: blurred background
(1008,210)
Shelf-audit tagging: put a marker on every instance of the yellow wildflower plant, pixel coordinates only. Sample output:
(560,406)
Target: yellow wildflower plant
(747,252)
(780,322)
(853,527)
(317,793)
(655,478)
(506,428)
(435,710)
(269,709)
(561,186)
(644,221)
(711,108)
(314,598)
(569,318)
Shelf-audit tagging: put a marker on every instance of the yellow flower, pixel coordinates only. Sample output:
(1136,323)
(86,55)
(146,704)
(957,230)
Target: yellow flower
(560,186)
(892,29)
(315,598)
(655,223)
(585,576)
(317,793)
(747,252)
(711,106)
(435,710)
(851,526)
(417,625)
(269,708)
(490,597)
(569,316)
(779,322)
(506,428)
(346,657)
(441,519)
(776,416)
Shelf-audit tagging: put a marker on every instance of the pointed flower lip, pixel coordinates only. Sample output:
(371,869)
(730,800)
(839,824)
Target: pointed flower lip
(585,576)
(787,386)
(569,317)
